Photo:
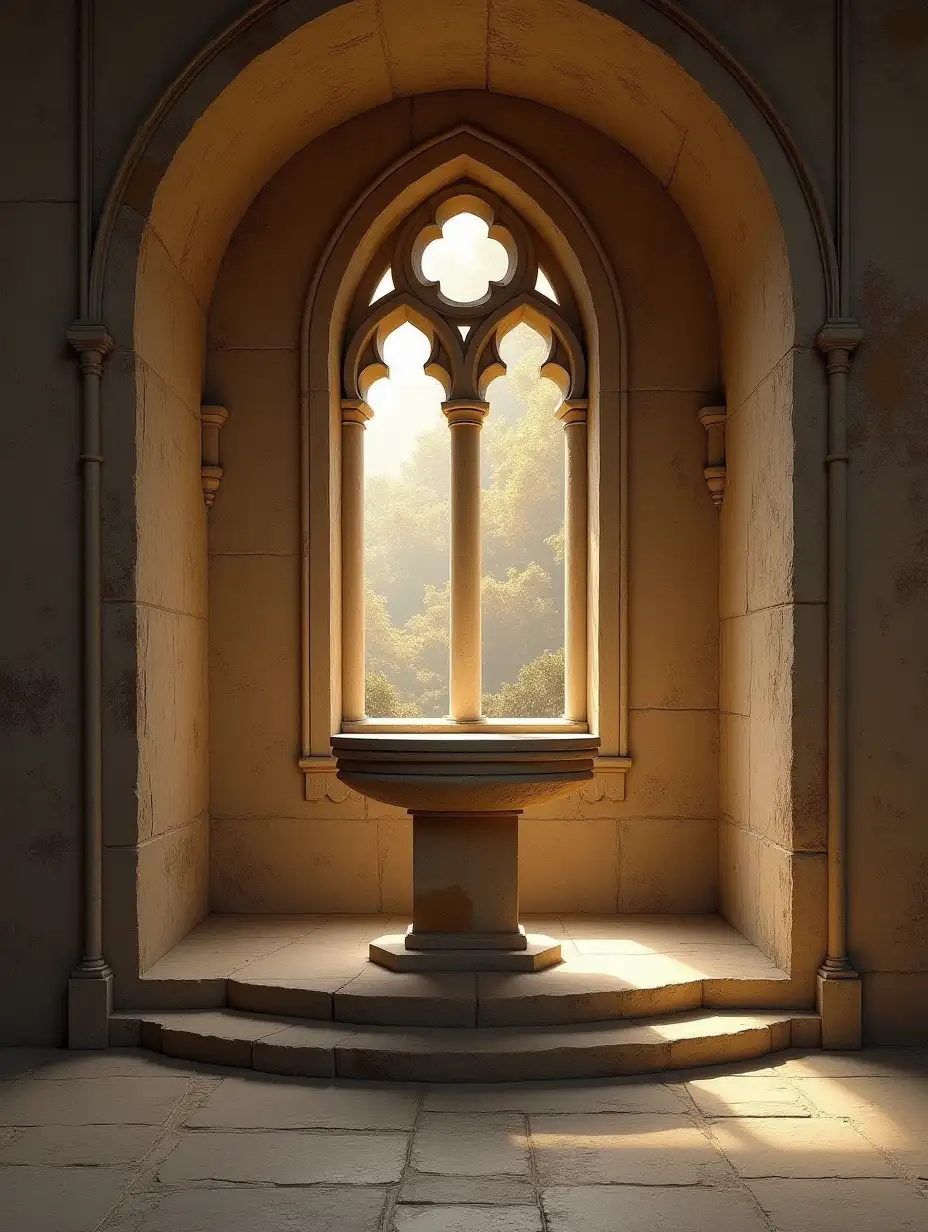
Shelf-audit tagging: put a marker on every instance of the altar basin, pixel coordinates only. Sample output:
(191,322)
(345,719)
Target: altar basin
(465,794)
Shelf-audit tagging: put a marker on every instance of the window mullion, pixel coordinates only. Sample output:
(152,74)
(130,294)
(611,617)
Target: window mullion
(573,415)
(465,420)
(355,415)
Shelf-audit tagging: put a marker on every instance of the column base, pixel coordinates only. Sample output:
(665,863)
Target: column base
(840,1007)
(536,953)
(90,1003)
(465,940)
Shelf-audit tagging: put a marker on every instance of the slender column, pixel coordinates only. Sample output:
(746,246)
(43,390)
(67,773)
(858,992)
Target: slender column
(466,420)
(837,342)
(355,415)
(573,415)
(88,1008)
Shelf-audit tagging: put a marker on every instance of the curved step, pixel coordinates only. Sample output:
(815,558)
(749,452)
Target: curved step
(425,1054)
(508,999)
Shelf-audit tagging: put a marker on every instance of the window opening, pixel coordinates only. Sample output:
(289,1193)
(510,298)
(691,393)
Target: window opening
(384,286)
(465,259)
(543,286)
(406,492)
(523,535)
(464,481)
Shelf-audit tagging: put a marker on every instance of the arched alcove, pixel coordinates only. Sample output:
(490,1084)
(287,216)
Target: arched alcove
(655,87)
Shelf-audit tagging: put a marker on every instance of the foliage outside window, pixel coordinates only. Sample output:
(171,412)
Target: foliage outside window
(464,321)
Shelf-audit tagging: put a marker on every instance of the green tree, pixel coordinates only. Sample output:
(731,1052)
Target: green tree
(384,700)
(537,691)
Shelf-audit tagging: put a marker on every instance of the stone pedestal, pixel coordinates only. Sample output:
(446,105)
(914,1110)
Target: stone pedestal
(465,795)
(465,912)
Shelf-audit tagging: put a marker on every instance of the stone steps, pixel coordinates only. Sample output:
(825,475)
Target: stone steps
(558,997)
(278,1045)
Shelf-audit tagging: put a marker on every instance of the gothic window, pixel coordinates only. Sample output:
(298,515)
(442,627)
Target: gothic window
(464,478)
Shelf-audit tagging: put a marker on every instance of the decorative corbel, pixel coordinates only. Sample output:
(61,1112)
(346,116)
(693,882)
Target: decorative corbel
(713,419)
(211,420)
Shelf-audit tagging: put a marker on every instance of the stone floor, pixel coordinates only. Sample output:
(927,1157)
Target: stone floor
(639,950)
(132,1142)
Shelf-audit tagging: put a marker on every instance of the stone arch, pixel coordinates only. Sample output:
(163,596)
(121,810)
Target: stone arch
(467,154)
(657,84)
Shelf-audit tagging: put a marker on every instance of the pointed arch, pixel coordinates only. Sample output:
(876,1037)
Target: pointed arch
(460,155)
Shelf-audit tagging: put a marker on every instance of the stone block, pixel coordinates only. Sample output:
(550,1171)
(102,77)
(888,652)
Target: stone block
(451,1218)
(592,1208)
(433,1000)
(173,710)
(797,1148)
(835,1205)
(287,1158)
(673,533)
(746,1096)
(38,63)
(492,1144)
(735,646)
(324,1208)
(394,853)
(675,772)
(42,1199)
(254,697)
(102,1101)
(735,768)
(631,1148)
(80,1146)
(450,44)
(172,886)
(668,865)
(434,1190)
(617,1095)
(90,1003)
(893,1007)
(568,866)
(733,519)
(280,1103)
(839,1004)
(171,561)
(283,998)
(288,864)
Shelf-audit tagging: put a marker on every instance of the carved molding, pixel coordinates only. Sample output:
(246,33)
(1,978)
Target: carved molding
(212,419)
(713,419)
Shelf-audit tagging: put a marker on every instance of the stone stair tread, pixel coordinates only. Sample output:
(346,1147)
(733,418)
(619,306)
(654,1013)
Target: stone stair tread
(378,997)
(328,1049)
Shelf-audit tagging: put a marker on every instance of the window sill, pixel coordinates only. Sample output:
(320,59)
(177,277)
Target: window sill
(446,727)
(609,773)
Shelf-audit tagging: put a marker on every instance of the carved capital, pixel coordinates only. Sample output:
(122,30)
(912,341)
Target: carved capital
(466,412)
(356,411)
(211,420)
(714,419)
(572,411)
(837,341)
(92,343)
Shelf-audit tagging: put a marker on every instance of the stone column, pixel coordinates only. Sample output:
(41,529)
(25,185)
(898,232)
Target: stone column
(839,987)
(465,420)
(90,988)
(355,415)
(573,415)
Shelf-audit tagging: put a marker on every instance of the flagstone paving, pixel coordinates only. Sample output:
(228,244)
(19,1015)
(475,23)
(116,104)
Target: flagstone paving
(125,1141)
